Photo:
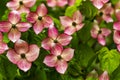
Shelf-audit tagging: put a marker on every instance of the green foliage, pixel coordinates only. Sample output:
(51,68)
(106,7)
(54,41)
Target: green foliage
(88,10)
(2,7)
(71,9)
(85,31)
(5,38)
(109,60)
(116,74)
(114,1)
(7,69)
(84,55)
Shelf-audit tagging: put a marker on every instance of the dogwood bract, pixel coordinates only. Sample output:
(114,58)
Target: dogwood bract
(23,54)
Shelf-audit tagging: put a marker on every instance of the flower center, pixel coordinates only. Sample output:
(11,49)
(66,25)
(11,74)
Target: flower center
(101,13)
(21,3)
(40,18)
(13,26)
(74,24)
(23,56)
(59,57)
(55,41)
(100,32)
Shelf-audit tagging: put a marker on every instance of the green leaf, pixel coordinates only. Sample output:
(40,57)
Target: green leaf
(40,74)
(3,7)
(109,60)
(70,10)
(88,10)
(5,38)
(114,1)
(84,55)
(7,69)
(78,2)
(84,34)
(75,41)
(116,74)
(23,17)
(57,23)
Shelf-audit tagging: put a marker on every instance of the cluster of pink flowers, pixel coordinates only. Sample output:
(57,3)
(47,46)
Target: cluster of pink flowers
(24,54)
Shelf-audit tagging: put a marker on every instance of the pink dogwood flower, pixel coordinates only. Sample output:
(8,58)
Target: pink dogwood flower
(22,6)
(116,38)
(40,19)
(23,54)
(104,76)
(53,3)
(3,46)
(117,14)
(72,24)
(54,39)
(58,58)
(107,12)
(14,26)
(100,34)
(99,3)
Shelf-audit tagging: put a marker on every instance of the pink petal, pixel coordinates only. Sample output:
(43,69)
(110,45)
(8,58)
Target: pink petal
(116,37)
(116,25)
(106,32)
(1,37)
(66,21)
(98,4)
(29,3)
(64,39)
(71,2)
(117,13)
(107,18)
(104,76)
(41,10)
(21,46)
(104,1)
(51,3)
(77,17)
(5,26)
(13,56)
(32,17)
(33,53)
(13,5)
(61,3)
(118,47)
(14,17)
(107,9)
(57,50)
(24,65)
(52,32)
(23,9)
(50,60)
(3,47)
(79,26)
(70,30)
(61,66)
(14,35)
(94,31)
(38,27)
(48,22)
(101,39)
(47,43)
(23,26)
(67,54)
